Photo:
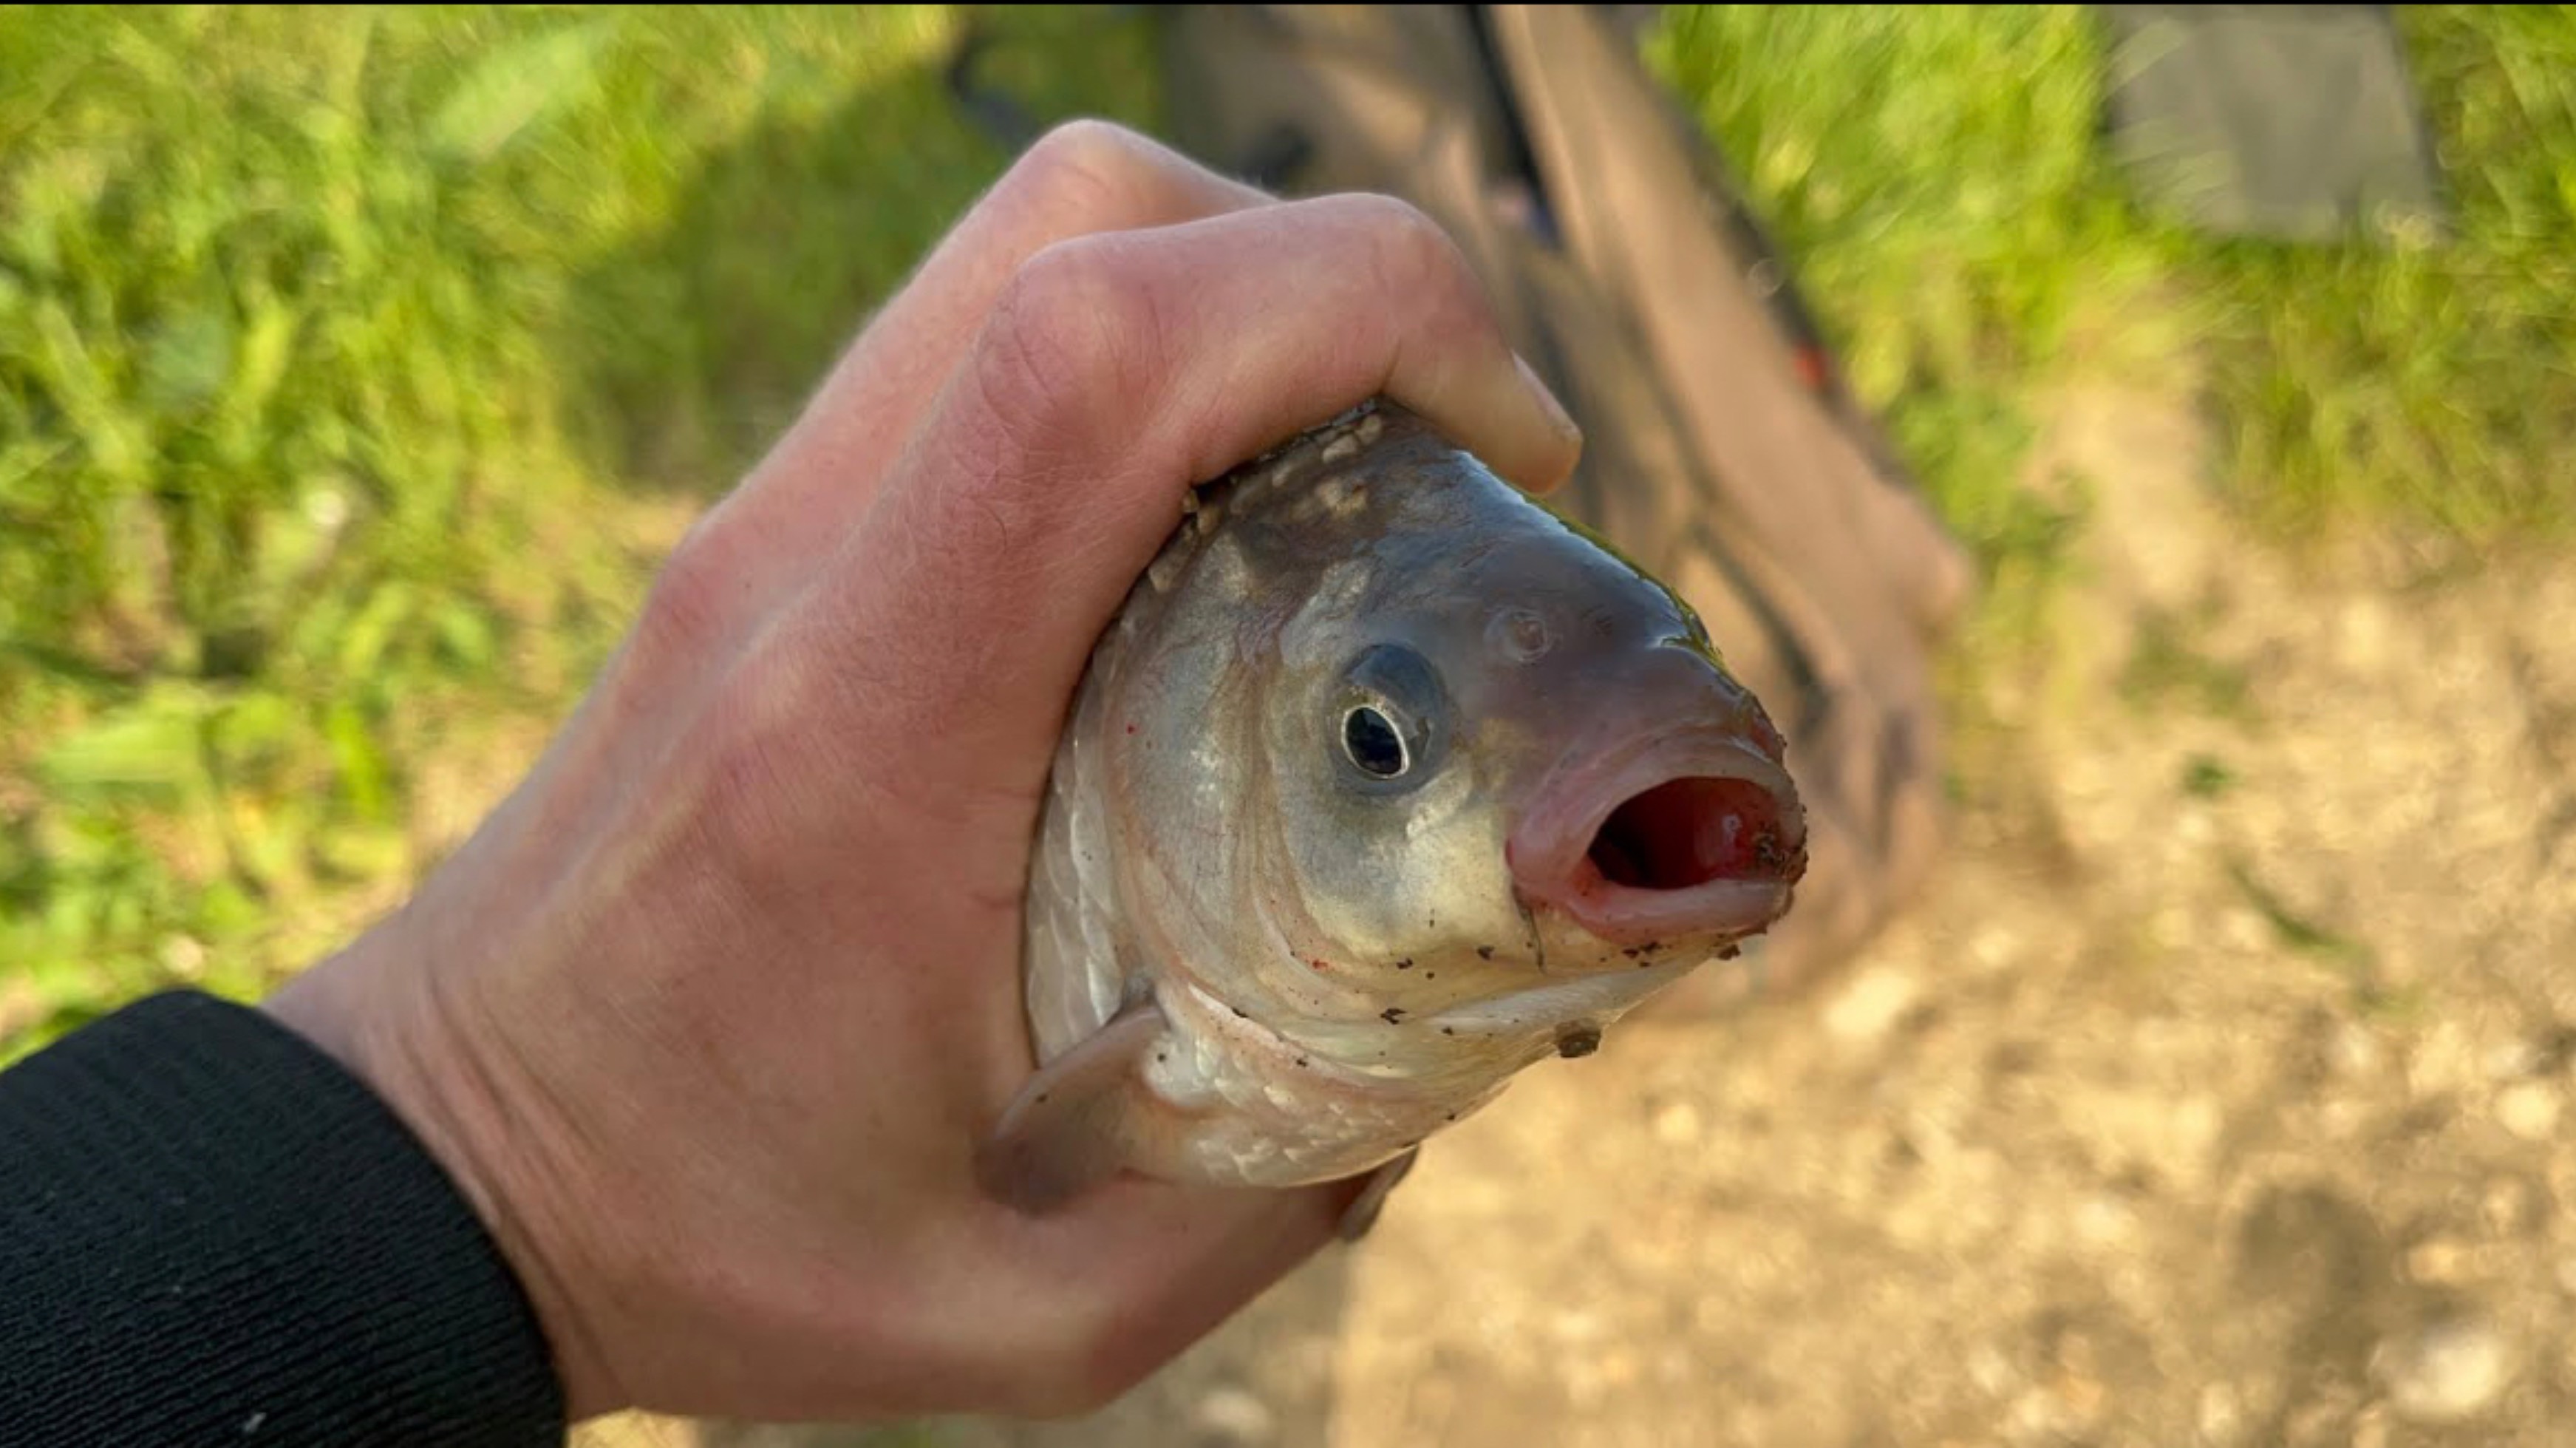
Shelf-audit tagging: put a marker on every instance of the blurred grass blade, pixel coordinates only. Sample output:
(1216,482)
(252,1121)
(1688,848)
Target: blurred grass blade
(514,87)
(254,731)
(150,746)
(70,371)
(466,635)
(364,775)
(372,631)
(187,359)
(267,345)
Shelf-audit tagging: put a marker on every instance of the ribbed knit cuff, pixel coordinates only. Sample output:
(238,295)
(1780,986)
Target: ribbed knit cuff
(211,1233)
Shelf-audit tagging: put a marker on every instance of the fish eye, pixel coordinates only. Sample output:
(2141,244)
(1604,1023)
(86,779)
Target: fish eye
(1391,717)
(1369,738)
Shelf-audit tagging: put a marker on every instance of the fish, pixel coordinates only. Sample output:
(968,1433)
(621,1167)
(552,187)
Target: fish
(1385,783)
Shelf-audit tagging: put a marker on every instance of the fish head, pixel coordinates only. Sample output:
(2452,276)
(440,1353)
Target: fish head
(1500,754)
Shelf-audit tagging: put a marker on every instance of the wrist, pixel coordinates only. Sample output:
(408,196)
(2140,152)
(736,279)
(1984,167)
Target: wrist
(384,1027)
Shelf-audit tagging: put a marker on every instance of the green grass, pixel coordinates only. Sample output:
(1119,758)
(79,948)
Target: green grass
(1934,174)
(354,364)
(344,355)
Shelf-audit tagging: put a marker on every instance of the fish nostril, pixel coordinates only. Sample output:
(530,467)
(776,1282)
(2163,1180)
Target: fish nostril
(1687,832)
(1519,635)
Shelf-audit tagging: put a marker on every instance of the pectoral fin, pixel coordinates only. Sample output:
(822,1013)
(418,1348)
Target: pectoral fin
(1363,1211)
(1069,1128)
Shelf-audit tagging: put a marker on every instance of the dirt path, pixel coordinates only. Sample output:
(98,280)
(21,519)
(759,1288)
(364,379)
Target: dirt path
(2216,1094)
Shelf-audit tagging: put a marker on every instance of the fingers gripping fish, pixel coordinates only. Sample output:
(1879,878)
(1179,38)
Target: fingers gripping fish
(1385,783)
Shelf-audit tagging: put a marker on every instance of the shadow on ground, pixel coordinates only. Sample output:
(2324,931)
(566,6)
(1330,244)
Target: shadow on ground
(700,342)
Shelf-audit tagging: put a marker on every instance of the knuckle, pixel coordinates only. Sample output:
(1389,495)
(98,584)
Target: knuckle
(1396,217)
(746,761)
(688,607)
(1086,172)
(1405,232)
(1411,255)
(1060,337)
(1045,328)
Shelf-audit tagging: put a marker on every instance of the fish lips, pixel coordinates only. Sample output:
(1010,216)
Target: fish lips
(1689,838)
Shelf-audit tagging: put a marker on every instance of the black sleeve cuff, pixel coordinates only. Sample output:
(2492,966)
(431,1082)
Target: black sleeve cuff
(211,1233)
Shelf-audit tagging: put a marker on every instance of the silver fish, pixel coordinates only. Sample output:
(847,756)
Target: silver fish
(1385,784)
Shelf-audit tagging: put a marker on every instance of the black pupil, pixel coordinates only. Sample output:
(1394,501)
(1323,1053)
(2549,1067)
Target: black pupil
(1373,743)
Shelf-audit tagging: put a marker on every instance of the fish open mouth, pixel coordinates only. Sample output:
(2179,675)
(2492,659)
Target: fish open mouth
(1697,839)
(1687,832)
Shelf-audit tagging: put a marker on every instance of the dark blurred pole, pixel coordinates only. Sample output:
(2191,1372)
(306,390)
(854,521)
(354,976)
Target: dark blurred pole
(996,113)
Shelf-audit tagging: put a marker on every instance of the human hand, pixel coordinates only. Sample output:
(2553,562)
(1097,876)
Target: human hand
(707,1017)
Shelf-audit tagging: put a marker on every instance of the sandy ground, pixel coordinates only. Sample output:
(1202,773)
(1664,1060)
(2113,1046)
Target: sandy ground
(2216,1093)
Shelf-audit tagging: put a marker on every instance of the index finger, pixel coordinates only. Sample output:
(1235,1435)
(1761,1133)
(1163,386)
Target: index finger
(1113,373)
(1080,179)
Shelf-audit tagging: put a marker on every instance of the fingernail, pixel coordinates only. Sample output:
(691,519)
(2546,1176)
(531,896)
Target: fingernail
(1557,416)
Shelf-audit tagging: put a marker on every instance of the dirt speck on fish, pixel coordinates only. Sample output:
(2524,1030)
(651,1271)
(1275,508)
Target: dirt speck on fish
(1380,708)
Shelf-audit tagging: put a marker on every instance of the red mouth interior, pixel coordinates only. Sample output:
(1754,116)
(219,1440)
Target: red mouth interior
(1687,832)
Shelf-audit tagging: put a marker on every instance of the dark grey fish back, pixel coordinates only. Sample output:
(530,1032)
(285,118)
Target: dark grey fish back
(1720,453)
